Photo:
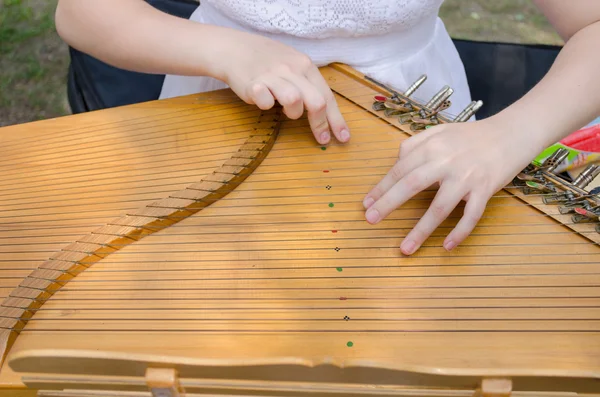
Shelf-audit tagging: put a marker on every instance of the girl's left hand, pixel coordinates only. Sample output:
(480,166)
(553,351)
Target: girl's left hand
(469,161)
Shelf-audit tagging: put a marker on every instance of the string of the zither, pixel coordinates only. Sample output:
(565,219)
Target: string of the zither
(214,98)
(341,202)
(396,217)
(257,172)
(135,145)
(96,212)
(106,137)
(190,108)
(278,191)
(95,164)
(268,170)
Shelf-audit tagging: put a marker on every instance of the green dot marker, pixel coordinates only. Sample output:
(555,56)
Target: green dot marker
(350,344)
(331,205)
(323,148)
(339,269)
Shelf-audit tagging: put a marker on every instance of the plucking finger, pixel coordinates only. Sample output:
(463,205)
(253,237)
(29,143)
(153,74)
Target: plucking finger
(408,186)
(399,170)
(441,207)
(335,120)
(474,209)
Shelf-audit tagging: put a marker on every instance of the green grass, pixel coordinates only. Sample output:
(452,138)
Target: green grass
(514,21)
(34,60)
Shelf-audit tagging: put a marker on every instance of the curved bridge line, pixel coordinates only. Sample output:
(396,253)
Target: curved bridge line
(18,308)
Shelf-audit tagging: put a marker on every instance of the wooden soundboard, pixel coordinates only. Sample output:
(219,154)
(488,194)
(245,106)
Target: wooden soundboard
(200,246)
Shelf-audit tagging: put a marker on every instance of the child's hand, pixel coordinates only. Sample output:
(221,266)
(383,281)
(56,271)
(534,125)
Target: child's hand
(260,70)
(469,161)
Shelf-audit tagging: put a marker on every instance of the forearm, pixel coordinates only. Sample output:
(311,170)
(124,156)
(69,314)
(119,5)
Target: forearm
(566,99)
(132,35)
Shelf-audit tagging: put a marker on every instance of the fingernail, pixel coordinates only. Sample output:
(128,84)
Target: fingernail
(449,245)
(408,247)
(368,202)
(372,215)
(325,137)
(345,135)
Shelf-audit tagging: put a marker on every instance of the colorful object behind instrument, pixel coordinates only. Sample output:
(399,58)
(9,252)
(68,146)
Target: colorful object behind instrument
(583,146)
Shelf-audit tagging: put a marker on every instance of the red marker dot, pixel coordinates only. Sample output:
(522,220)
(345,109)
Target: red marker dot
(325,171)
(343,298)
(380,98)
(334,231)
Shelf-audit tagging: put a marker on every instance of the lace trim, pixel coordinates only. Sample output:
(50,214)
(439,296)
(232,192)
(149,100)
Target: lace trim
(317,19)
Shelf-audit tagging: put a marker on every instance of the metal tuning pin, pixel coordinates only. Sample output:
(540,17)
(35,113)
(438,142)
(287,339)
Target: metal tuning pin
(570,207)
(427,116)
(415,86)
(439,98)
(587,176)
(397,103)
(468,112)
(565,198)
(555,160)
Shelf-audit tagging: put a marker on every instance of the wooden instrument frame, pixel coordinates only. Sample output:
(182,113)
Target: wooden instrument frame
(61,372)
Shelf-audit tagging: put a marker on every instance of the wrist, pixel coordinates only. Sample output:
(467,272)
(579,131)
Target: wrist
(531,134)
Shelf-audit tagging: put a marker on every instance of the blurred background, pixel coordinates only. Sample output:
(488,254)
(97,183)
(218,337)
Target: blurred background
(34,60)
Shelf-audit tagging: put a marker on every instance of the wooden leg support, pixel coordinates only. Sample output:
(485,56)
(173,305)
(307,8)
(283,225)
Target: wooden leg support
(164,382)
(494,387)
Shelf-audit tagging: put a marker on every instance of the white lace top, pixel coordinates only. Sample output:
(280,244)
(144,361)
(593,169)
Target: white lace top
(393,41)
(318,19)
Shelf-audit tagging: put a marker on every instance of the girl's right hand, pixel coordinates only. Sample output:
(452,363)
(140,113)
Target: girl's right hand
(261,71)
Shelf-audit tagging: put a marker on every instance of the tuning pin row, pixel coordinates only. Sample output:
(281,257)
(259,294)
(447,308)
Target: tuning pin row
(401,105)
(583,206)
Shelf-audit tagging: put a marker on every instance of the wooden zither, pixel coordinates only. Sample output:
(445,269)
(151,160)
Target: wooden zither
(199,246)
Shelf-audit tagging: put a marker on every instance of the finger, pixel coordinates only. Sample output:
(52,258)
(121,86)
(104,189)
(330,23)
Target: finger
(441,207)
(402,191)
(316,107)
(335,119)
(399,170)
(287,94)
(473,212)
(259,94)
